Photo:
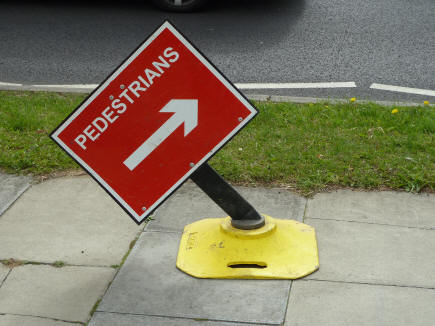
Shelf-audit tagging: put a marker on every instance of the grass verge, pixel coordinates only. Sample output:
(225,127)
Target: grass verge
(307,147)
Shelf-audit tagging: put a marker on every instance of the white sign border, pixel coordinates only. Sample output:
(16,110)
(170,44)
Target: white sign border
(166,25)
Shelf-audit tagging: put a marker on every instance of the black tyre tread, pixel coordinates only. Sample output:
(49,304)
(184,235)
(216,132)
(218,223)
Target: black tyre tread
(165,5)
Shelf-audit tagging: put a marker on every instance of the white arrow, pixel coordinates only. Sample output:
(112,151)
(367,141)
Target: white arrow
(185,111)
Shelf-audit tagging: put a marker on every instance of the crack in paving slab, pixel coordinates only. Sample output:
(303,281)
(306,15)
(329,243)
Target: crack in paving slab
(70,322)
(5,277)
(373,223)
(367,283)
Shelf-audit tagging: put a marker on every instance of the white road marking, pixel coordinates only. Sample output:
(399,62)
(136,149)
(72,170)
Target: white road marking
(77,86)
(10,84)
(91,87)
(401,89)
(295,85)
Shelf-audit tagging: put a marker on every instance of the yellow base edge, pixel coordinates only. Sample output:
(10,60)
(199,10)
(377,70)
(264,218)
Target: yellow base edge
(281,249)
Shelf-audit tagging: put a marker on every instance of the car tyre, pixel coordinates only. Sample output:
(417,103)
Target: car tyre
(180,5)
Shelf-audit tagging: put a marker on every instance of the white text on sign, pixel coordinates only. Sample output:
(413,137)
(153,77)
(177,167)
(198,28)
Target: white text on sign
(133,91)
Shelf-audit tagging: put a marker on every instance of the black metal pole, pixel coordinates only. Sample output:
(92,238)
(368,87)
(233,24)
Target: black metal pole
(243,215)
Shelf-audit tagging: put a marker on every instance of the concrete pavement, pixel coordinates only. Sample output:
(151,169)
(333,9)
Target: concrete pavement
(11,188)
(67,222)
(376,261)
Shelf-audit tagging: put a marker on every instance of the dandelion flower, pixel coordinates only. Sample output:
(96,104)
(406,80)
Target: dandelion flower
(353,99)
(394,111)
(426,102)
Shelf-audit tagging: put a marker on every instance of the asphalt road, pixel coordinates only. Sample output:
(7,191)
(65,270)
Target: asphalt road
(252,41)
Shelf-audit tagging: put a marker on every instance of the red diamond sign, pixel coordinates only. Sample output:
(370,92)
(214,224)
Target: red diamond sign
(161,114)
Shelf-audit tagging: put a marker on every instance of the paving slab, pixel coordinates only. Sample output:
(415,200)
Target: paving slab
(12,320)
(3,273)
(371,253)
(384,207)
(70,219)
(11,188)
(114,319)
(150,284)
(190,204)
(66,293)
(336,304)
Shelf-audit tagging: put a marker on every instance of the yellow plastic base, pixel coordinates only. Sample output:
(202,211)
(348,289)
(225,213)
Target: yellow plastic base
(281,249)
